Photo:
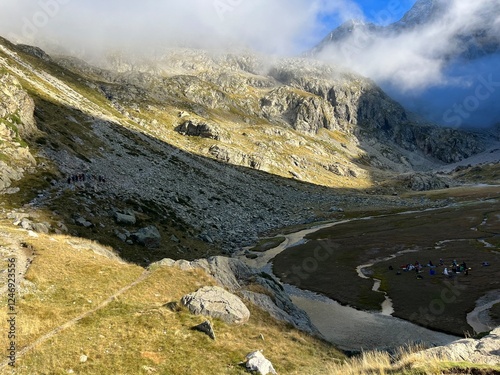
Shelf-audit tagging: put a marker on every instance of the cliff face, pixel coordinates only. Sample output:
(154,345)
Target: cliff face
(16,123)
(298,94)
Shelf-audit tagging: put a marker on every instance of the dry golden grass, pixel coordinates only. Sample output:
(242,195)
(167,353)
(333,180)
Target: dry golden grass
(68,282)
(135,333)
(407,361)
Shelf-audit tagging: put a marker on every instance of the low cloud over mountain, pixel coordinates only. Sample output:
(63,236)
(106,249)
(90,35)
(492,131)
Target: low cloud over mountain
(440,60)
(278,27)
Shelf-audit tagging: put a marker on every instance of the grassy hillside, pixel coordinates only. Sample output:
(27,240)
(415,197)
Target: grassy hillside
(81,310)
(74,302)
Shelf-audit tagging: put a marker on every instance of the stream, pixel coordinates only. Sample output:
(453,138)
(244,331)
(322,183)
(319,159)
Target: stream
(353,330)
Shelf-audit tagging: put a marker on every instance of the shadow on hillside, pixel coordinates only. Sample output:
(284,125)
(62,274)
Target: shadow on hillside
(200,206)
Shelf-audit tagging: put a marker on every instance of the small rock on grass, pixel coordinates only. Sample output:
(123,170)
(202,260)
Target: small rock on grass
(206,327)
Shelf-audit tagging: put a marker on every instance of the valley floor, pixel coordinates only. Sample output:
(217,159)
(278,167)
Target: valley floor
(466,231)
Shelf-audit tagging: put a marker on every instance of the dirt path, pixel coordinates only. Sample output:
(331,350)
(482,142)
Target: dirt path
(74,321)
(12,248)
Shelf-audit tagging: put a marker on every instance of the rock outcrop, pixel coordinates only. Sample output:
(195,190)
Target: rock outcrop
(16,123)
(424,182)
(236,276)
(216,302)
(16,107)
(201,129)
(233,156)
(483,351)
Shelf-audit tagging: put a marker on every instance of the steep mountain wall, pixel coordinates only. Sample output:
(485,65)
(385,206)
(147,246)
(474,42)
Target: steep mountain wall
(16,123)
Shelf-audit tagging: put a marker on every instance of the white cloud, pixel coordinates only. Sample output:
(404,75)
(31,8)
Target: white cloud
(415,59)
(271,26)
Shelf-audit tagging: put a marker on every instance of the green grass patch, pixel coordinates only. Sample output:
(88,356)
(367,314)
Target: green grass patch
(495,313)
(268,243)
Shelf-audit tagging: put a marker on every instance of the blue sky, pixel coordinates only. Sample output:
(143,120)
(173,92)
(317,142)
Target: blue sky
(376,11)
(385,11)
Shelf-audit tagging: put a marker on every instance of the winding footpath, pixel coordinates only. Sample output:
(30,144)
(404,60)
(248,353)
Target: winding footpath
(74,321)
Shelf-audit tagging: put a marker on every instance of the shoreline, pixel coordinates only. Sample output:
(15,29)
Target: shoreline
(355,330)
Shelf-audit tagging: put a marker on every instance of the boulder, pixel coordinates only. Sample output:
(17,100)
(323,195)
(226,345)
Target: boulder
(83,222)
(206,327)
(149,237)
(41,227)
(26,224)
(126,219)
(216,302)
(256,361)
(201,129)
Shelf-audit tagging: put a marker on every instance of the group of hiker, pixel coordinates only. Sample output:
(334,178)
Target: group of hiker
(448,271)
(83,177)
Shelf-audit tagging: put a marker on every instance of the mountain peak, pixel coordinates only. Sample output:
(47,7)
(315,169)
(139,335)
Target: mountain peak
(423,11)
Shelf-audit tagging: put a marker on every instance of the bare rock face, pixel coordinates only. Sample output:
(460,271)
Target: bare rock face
(424,182)
(484,351)
(16,106)
(216,302)
(233,274)
(201,129)
(16,122)
(233,156)
(301,110)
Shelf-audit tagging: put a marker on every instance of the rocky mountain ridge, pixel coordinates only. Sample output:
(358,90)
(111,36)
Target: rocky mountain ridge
(169,138)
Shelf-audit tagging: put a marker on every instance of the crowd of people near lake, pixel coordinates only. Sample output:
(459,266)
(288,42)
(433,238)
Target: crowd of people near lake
(448,270)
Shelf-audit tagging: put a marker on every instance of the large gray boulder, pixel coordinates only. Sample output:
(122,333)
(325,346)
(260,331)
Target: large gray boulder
(216,302)
(149,237)
(125,219)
